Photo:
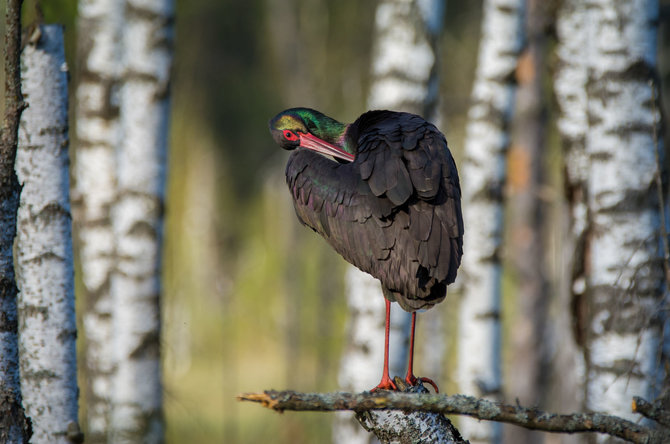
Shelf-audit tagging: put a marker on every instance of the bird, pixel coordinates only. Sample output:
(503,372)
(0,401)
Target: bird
(384,192)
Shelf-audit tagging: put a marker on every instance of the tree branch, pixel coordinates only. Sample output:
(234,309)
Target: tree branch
(657,410)
(460,405)
(416,427)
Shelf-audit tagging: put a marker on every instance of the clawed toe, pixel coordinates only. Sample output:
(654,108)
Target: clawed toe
(385,384)
(413,380)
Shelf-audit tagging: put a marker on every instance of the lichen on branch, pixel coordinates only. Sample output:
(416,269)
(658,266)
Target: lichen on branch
(482,409)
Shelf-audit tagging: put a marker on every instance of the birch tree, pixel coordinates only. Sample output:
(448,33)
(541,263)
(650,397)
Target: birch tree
(47,324)
(14,426)
(97,113)
(623,276)
(138,220)
(404,78)
(483,173)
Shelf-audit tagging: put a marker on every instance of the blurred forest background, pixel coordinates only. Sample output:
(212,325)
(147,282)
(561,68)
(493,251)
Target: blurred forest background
(253,301)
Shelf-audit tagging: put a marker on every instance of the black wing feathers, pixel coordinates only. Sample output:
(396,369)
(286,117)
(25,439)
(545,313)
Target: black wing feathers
(394,212)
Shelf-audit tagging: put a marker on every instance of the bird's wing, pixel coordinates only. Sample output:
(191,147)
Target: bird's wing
(406,159)
(395,211)
(331,199)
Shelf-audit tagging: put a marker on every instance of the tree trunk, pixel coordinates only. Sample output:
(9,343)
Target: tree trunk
(405,57)
(625,276)
(404,78)
(138,221)
(14,425)
(360,368)
(617,212)
(47,323)
(483,173)
(569,88)
(528,381)
(97,111)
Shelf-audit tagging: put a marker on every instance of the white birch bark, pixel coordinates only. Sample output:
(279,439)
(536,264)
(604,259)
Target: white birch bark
(625,277)
(404,65)
(619,212)
(138,220)
(404,78)
(570,88)
(483,177)
(97,112)
(360,368)
(45,270)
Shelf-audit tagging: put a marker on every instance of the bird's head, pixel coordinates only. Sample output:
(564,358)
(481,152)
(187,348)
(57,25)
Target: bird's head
(310,129)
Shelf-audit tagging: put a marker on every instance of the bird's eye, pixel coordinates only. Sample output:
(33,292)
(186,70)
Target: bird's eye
(290,136)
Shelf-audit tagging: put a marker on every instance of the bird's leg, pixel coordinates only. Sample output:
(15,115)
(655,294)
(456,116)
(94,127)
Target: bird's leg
(386,383)
(410,378)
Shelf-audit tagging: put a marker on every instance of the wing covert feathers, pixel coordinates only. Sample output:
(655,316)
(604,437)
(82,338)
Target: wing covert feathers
(394,212)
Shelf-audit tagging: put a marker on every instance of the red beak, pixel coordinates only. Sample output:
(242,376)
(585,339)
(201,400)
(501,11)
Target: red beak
(320,146)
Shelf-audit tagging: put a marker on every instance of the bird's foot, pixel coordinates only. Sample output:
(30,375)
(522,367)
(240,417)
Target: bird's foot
(413,380)
(385,384)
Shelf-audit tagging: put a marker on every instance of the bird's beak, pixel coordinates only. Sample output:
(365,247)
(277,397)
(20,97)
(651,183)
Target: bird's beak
(321,146)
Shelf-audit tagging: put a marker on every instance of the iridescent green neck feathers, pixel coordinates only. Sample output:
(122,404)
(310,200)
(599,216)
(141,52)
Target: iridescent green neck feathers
(309,120)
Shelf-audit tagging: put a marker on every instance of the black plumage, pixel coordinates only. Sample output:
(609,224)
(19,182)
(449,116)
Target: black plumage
(394,211)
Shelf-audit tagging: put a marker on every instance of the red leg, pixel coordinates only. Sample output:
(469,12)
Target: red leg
(410,378)
(386,383)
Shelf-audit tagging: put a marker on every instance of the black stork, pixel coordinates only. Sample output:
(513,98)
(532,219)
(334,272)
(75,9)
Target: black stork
(384,193)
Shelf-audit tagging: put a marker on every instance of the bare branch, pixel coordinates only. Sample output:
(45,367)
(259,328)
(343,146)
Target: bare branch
(460,405)
(656,410)
(416,427)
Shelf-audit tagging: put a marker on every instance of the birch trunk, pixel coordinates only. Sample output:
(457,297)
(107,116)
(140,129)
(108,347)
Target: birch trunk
(405,63)
(97,111)
(404,78)
(625,276)
(45,267)
(483,173)
(360,368)
(619,209)
(138,221)
(14,425)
